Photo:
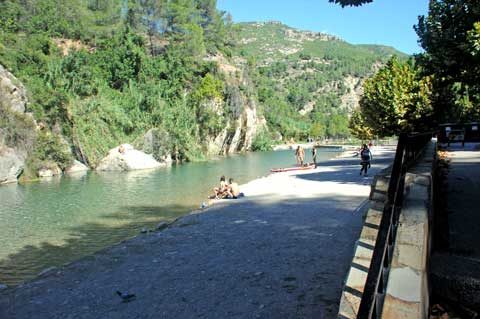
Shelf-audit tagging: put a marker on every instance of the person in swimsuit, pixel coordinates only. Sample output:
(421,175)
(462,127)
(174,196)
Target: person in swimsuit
(300,154)
(233,190)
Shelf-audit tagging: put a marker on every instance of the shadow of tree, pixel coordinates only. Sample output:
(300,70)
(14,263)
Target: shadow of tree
(86,239)
(292,255)
(346,171)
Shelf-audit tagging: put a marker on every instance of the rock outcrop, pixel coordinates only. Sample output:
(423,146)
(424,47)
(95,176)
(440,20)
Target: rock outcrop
(156,142)
(244,122)
(11,165)
(12,92)
(126,158)
(13,147)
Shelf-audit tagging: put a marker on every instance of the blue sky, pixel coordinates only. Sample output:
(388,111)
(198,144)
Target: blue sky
(388,22)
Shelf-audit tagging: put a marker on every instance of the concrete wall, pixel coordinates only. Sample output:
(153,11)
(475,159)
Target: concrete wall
(407,294)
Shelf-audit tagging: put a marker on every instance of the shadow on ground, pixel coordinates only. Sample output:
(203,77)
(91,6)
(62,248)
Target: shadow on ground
(347,171)
(246,260)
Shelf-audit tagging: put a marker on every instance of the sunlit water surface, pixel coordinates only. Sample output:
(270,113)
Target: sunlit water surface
(54,222)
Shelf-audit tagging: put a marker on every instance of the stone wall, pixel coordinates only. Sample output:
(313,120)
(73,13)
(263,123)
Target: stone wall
(407,294)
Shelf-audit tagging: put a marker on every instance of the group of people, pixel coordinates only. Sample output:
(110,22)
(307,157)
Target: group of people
(300,155)
(364,152)
(230,190)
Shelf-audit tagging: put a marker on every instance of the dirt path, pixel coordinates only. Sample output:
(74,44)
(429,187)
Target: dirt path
(280,252)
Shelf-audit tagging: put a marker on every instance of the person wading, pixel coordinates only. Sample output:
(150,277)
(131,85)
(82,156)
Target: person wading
(300,154)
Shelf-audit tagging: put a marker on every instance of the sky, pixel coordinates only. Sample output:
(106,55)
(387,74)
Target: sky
(387,22)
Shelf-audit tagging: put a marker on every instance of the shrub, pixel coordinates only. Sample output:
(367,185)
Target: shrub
(262,141)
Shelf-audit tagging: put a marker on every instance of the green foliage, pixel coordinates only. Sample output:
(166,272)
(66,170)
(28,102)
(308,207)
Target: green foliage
(262,141)
(49,149)
(140,64)
(358,126)
(292,76)
(128,76)
(449,35)
(396,100)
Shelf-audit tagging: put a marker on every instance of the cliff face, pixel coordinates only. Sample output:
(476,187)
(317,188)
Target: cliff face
(243,120)
(17,128)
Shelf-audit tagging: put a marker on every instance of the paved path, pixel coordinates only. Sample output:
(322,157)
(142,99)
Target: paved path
(455,271)
(281,252)
(464,200)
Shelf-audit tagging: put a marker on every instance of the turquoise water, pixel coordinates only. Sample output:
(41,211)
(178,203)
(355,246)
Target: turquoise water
(53,222)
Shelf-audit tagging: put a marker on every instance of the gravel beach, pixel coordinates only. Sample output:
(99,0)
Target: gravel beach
(282,251)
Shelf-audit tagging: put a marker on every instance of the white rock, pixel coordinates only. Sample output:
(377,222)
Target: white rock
(52,170)
(76,167)
(127,159)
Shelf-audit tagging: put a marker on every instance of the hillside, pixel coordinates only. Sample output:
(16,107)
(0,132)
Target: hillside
(308,82)
(183,84)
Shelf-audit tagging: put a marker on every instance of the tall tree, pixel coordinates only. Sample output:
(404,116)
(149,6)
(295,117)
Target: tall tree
(449,37)
(397,99)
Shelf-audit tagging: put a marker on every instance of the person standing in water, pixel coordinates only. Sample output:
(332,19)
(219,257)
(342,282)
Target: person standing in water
(366,156)
(300,154)
(314,155)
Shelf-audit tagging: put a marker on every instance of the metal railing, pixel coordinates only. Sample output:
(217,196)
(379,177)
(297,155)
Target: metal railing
(409,147)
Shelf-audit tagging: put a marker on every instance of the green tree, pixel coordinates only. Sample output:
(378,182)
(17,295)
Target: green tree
(449,36)
(397,99)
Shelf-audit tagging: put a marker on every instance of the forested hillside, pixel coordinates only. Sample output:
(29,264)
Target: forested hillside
(307,82)
(101,73)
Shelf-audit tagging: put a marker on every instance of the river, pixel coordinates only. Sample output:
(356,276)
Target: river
(54,222)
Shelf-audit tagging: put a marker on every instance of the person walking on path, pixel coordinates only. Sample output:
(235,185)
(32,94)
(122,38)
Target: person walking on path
(366,156)
(314,155)
(300,154)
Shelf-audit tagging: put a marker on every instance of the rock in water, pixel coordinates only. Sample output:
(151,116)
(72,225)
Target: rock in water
(76,167)
(51,170)
(126,158)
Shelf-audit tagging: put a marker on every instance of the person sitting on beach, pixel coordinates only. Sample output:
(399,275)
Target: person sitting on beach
(233,190)
(219,191)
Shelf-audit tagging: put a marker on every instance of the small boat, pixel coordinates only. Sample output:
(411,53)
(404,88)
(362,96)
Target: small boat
(288,169)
